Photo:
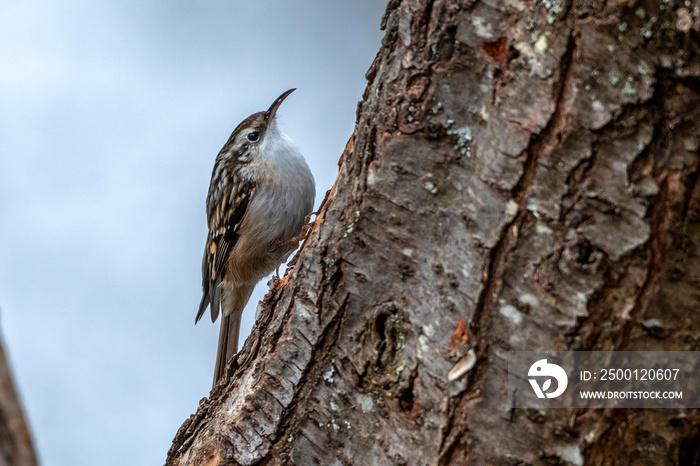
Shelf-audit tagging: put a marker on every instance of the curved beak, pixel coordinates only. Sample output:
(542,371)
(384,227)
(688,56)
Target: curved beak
(270,114)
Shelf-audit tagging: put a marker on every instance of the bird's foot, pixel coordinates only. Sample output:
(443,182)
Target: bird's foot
(293,243)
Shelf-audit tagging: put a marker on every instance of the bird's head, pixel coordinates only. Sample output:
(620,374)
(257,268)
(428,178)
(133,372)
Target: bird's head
(255,133)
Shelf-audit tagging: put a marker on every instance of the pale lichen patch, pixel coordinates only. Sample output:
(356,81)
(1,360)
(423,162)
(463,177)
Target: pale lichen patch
(511,313)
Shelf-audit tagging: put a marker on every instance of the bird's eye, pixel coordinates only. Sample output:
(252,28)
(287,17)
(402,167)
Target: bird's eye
(253,136)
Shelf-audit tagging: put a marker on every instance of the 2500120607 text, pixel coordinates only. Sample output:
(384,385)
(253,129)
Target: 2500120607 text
(639,374)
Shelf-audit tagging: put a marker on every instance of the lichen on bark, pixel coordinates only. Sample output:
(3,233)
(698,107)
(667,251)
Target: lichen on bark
(526,167)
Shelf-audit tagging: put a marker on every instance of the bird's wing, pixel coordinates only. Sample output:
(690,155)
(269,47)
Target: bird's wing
(227,203)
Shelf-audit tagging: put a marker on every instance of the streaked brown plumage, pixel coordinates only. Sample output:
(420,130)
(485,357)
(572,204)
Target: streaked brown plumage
(261,190)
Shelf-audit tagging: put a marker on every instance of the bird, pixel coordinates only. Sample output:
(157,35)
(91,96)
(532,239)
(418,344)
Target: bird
(260,196)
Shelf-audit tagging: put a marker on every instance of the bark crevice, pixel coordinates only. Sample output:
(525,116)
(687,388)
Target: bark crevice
(529,168)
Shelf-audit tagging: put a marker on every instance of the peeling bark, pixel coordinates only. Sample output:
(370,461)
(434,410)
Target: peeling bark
(527,167)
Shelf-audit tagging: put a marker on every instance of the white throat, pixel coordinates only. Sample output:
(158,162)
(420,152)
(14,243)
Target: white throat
(277,154)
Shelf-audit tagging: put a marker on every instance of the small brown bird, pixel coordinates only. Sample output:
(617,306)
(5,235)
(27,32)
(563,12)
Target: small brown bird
(260,194)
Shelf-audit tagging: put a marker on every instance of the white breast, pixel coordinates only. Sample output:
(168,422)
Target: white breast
(285,189)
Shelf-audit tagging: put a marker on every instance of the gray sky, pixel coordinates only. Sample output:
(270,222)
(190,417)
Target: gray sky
(111,115)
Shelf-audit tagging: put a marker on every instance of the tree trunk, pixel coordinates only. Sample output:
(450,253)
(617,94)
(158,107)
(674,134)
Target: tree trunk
(528,168)
(15,440)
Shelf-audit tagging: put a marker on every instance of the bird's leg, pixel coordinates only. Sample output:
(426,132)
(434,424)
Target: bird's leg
(305,230)
(290,242)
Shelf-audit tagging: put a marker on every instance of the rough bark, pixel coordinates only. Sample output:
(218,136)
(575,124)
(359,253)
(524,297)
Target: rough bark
(528,168)
(15,440)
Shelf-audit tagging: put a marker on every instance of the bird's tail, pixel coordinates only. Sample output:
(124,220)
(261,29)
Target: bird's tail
(228,343)
(232,303)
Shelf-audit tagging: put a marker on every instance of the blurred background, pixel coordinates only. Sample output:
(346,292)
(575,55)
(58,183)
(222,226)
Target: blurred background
(111,115)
